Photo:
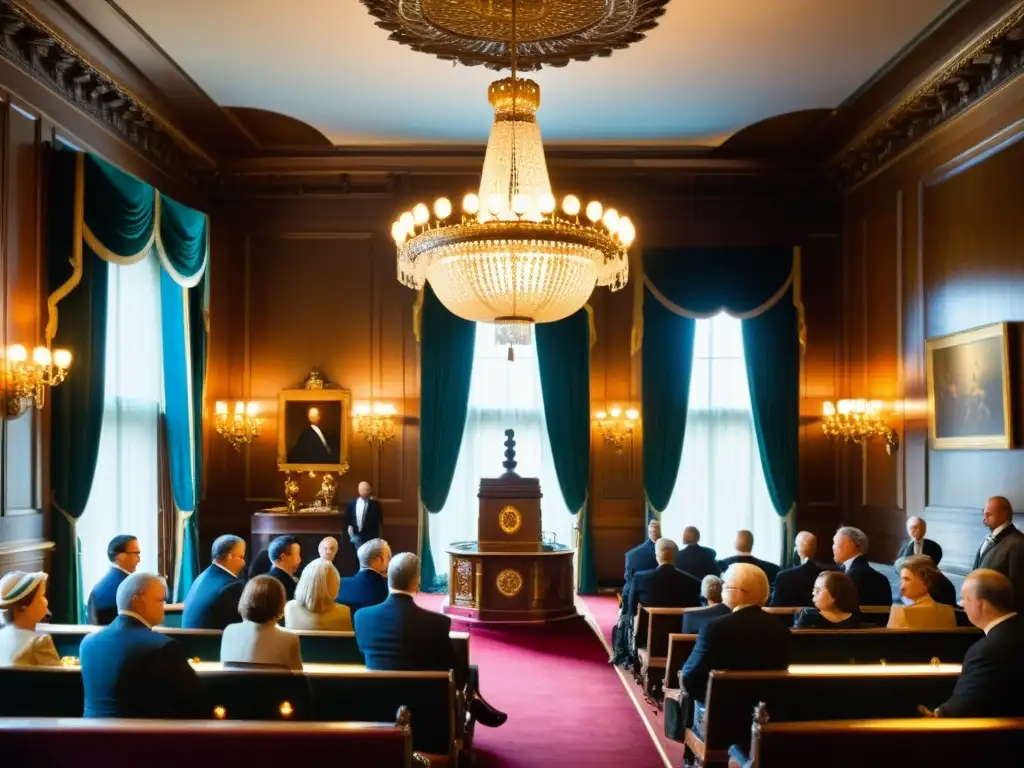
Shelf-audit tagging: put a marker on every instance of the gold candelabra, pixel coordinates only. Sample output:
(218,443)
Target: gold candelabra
(858,421)
(240,427)
(616,425)
(25,381)
(374,421)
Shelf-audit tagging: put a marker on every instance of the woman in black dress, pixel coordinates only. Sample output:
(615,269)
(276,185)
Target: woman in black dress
(836,604)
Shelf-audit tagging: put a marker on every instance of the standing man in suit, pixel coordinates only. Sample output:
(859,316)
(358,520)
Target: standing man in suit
(1003,548)
(694,559)
(212,602)
(918,544)
(744,546)
(370,584)
(399,635)
(992,676)
(128,670)
(664,586)
(711,591)
(285,557)
(363,516)
(640,558)
(124,555)
(795,586)
(850,549)
(312,446)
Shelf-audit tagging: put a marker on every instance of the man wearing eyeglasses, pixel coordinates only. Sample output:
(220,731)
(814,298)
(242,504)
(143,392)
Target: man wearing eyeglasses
(124,555)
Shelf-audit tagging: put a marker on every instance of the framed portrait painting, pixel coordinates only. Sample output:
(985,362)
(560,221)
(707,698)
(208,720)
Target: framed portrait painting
(969,402)
(312,430)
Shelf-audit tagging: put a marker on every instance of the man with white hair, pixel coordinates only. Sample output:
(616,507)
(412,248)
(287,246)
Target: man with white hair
(370,584)
(327,548)
(711,591)
(795,586)
(918,544)
(128,670)
(748,638)
(664,586)
(850,548)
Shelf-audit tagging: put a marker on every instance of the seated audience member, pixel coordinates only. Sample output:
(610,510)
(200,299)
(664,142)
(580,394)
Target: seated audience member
(795,586)
(124,554)
(640,558)
(694,559)
(748,638)
(850,548)
(328,548)
(23,605)
(128,670)
(399,635)
(835,604)
(711,593)
(313,606)
(992,676)
(917,574)
(918,544)
(257,639)
(664,586)
(744,546)
(212,602)
(285,557)
(370,584)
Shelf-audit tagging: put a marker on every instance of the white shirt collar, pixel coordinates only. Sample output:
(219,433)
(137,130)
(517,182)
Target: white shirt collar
(847,563)
(402,592)
(1001,528)
(319,434)
(996,622)
(136,616)
(803,559)
(226,570)
(122,570)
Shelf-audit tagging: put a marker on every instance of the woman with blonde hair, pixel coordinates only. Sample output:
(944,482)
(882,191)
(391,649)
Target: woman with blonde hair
(314,605)
(22,605)
(920,611)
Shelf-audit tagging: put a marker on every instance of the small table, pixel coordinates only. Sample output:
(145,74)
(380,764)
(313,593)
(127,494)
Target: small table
(309,528)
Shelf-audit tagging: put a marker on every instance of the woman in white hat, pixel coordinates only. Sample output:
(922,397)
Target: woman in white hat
(22,605)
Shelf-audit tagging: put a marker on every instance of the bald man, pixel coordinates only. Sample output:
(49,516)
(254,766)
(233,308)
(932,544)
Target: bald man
(918,544)
(364,517)
(1003,548)
(795,586)
(744,545)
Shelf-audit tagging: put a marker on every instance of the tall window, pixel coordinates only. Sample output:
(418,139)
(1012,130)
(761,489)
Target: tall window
(502,396)
(125,490)
(721,487)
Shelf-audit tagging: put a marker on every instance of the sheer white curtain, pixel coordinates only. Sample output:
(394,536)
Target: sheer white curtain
(502,396)
(721,487)
(125,491)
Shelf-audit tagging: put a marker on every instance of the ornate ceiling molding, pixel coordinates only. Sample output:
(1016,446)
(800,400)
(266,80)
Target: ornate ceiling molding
(552,32)
(41,52)
(985,65)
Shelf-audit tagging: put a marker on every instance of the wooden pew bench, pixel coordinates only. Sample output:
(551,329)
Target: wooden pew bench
(812,693)
(906,741)
(72,743)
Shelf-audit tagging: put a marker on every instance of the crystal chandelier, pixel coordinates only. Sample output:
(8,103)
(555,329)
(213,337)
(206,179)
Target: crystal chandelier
(858,420)
(511,258)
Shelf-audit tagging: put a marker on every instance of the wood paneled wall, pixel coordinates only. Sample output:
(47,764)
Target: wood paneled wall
(932,245)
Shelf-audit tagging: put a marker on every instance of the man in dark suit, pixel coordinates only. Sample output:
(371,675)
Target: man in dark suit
(748,638)
(694,559)
(992,676)
(744,546)
(364,517)
(212,602)
(640,558)
(399,635)
(794,586)
(128,670)
(918,544)
(285,557)
(1003,548)
(124,554)
(664,586)
(370,584)
(850,548)
(312,446)
(711,592)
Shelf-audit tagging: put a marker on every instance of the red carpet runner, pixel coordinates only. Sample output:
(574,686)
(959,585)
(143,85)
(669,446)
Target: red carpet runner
(566,706)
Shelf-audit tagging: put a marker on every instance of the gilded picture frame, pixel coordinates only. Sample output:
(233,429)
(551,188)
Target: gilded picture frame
(305,446)
(970,403)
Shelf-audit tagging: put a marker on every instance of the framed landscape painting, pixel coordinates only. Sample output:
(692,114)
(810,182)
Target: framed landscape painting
(969,402)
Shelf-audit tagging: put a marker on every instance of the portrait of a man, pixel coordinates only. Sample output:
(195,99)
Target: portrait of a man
(311,430)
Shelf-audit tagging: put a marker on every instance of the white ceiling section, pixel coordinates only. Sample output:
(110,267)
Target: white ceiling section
(711,68)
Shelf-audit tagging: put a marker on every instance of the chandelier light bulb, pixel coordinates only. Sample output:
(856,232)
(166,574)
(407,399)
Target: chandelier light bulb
(546,203)
(571,205)
(471,204)
(615,411)
(407,221)
(632,414)
(398,232)
(594,211)
(611,219)
(222,408)
(16,353)
(521,204)
(626,231)
(252,409)
(41,356)
(421,214)
(442,208)
(495,203)
(600,415)
(62,358)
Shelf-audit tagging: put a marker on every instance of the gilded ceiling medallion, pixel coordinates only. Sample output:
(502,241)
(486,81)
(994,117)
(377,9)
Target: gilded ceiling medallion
(551,32)
(510,520)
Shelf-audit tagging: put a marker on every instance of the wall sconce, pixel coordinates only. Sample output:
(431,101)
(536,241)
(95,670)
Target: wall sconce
(616,425)
(26,381)
(373,421)
(858,420)
(240,427)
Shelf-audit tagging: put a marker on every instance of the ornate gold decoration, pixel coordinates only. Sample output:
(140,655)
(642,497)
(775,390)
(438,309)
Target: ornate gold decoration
(25,381)
(314,392)
(858,421)
(240,427)
(509,582)
(69,661)
(463,579)
(550,32)
(373,422)
(291,492)
(510,520)
(616,425)
(325,496)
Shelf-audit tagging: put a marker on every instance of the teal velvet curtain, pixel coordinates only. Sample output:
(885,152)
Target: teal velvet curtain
(183,237)
(119,212)
(563,356)
(446,370)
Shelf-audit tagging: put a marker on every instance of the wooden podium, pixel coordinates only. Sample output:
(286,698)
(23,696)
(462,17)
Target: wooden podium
(509,574)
